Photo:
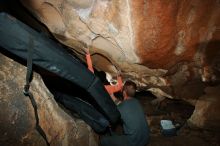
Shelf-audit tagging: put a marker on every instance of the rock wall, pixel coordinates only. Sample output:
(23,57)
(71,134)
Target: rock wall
(17,120)
(167,47)
(207,110)
(170,48)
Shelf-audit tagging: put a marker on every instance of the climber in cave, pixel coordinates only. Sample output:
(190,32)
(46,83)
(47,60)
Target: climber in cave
(135,126)
(136,132)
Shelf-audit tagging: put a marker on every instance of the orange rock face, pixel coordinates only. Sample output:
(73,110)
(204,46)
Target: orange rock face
(169,32)
(167,47)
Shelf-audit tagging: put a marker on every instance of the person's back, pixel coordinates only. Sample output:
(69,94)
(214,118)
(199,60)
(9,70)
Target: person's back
(134,122)
(135,127)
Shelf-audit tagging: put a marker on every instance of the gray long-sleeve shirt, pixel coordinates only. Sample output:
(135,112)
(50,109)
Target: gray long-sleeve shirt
(134,122)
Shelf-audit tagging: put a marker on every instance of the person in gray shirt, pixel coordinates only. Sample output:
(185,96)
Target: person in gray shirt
(135,127)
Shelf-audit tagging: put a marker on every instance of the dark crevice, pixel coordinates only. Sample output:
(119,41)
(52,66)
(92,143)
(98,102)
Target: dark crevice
(178,111)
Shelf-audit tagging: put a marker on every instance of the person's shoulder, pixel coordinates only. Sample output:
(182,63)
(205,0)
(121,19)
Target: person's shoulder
(134,100)
(122,104)
(128,102)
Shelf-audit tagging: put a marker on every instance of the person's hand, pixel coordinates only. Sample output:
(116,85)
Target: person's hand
(113,97)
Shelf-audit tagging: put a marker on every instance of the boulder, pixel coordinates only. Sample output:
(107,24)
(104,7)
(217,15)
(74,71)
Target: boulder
(17,119)
(207,110)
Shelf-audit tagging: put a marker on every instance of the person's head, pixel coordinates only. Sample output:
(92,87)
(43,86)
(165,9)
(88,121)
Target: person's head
(129,89)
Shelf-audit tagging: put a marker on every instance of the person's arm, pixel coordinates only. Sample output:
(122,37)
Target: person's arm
(89,62)
(114,88)
(111,89)
(116,101)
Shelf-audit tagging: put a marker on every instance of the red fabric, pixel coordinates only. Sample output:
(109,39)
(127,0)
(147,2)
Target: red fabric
(89,62)
(110,88)
(114,88)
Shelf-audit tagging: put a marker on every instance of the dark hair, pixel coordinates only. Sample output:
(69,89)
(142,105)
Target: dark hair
(130,88)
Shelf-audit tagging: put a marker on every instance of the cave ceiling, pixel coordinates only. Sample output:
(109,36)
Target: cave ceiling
(171,48)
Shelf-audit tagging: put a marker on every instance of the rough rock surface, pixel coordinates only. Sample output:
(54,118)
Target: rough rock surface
(168,47)
(207,110)
(17,120)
